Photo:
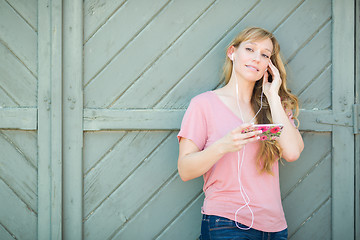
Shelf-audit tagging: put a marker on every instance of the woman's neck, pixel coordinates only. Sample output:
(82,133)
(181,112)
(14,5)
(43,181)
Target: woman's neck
(245,89)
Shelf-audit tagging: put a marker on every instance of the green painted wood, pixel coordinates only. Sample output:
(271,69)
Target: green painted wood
(21,42)
(18,173)
(25,142)
(104,119)
(357,137)
(189,48)
(187,225)
(317,148)
(5,235)
(302,24)
(308,196)
(16,81)
(97,145)
(174,19)
(318,226)
(301,73)
(103,46)
(135,190)
(96,13)
(72,134)
(27,10)
(163,207)
(18,118)
(19,220)
(318,94)
(343,76)
(117,165)
(50,120)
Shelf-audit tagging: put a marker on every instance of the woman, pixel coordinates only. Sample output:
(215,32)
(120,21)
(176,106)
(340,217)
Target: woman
(241,176)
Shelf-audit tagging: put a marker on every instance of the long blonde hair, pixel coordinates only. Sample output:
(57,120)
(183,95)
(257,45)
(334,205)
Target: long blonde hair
(270,151)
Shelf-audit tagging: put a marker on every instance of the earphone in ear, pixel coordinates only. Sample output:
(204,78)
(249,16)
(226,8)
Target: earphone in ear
(232,57)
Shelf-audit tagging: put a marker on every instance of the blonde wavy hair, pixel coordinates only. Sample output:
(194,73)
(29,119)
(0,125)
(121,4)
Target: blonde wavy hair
(270,151)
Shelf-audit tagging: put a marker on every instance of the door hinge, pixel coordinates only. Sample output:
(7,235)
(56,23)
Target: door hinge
(345,119)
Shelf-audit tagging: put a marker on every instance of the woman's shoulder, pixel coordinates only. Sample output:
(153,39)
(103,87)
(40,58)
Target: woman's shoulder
(203,97)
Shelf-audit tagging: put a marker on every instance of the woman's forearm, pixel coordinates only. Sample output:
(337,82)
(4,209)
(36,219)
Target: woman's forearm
(290,140)
(195,164)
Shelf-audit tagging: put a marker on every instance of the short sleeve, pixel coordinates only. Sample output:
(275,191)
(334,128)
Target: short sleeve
(194,124)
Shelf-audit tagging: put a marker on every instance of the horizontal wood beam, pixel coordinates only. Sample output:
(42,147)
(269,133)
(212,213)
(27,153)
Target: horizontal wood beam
(143,119)
(18,118)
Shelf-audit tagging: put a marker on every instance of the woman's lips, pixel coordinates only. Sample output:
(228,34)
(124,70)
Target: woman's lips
(253,68)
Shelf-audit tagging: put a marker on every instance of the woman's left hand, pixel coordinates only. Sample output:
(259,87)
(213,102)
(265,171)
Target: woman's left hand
(272,88)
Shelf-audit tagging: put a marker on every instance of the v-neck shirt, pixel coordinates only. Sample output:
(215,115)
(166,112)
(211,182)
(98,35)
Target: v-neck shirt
(207,119)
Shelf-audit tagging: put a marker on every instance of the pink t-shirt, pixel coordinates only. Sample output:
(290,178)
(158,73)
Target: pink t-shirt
(208,119)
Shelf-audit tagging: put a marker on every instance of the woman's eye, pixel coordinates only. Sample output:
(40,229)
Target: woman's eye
(249,49)
(266,56)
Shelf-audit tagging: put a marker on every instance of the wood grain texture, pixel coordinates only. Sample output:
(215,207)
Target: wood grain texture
(172,20)
(19,220)
(16,81)
(27,10)
(116,166)
(18,173)
(140,185)
(97,13)
(23,41)
(116,33)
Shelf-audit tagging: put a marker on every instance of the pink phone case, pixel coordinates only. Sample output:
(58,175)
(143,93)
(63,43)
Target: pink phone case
(270,132)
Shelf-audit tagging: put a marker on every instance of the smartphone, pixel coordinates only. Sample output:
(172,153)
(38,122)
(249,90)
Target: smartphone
(270,132)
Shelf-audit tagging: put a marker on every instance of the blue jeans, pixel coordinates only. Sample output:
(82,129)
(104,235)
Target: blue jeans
(215,227)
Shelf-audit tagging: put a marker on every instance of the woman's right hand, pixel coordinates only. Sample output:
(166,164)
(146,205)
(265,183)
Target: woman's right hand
(236,139)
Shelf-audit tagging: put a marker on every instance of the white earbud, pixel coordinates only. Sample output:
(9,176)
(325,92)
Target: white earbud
(232,57)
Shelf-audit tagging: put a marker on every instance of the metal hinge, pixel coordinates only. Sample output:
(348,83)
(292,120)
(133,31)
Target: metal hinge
(345,119)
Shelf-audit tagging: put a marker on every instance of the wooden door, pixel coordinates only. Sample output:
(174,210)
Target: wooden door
(92,95)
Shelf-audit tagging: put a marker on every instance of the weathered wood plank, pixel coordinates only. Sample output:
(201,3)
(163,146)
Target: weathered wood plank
(72,119)
(135,191)
(318,94)
(6,100)
(23,41)
(186,51)
(19,173)
(106,43)
(206,74)
(96,13)
(25,142)
(50,119)
(187,225)
(317,147)
(18,118)
(302,24)
(117,76)
(170,119)
(116,166)
(343,75)
(16,79)
(175,192)
(318,226)
(4,234)
(308,195)
(97,145)
(102,119)
(18,219)
(27,10)
(319,51)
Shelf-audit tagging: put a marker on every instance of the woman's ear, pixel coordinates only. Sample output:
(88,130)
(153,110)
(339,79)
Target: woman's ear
(230,52)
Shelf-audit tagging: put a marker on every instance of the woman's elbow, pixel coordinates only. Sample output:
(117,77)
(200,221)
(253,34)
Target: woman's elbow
(293,155)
